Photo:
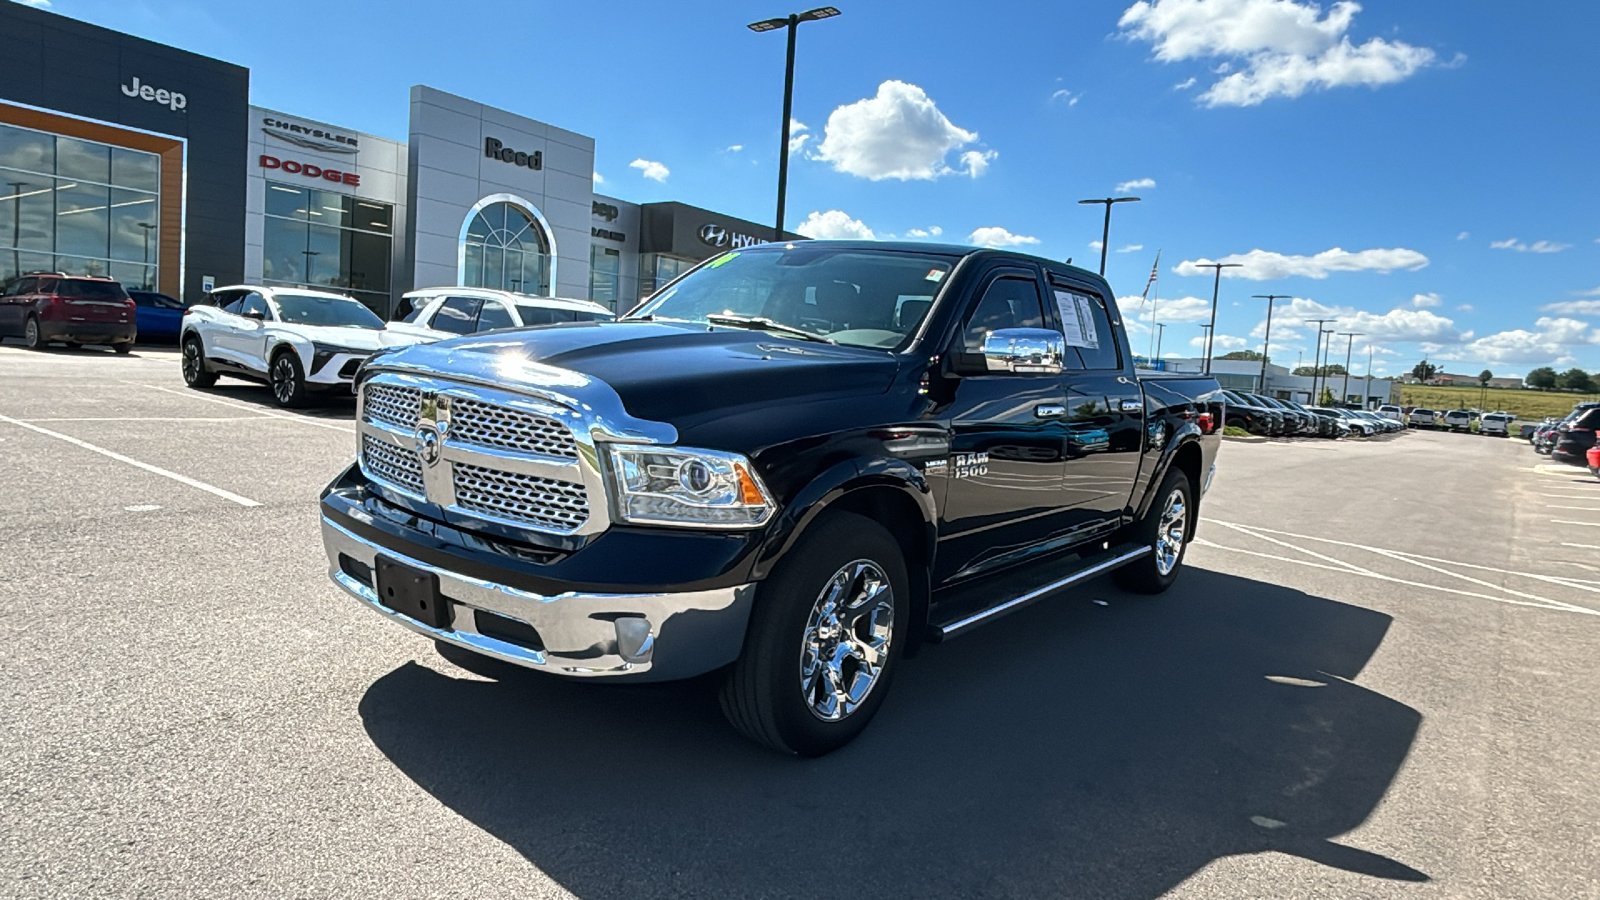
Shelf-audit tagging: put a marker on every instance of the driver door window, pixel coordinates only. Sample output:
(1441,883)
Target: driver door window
(229,302)
(254,306)
(1011,302)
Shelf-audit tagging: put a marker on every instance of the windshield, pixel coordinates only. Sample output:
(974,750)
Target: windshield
(859,297)
(312,309)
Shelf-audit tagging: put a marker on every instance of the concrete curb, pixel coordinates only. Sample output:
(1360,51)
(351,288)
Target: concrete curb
(1251,439)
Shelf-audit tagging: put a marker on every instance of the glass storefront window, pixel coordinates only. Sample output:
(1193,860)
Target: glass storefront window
(83,160)
(506,249)
(134,169)
(322,239)
(605,271)
(82,220)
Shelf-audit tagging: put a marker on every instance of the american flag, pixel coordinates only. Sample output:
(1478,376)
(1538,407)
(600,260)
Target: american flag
(1151,283)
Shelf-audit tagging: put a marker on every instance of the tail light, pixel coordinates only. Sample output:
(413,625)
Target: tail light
(1205,423)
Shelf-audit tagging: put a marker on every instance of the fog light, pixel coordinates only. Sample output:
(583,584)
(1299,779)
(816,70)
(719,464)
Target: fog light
(634,640)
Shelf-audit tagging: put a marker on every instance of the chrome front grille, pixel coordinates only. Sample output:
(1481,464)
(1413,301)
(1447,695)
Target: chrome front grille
(493,425)
(396,465)
(482,453)
(530,499)
(393,405)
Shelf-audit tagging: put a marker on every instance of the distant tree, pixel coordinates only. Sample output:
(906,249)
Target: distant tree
(1544,378)
(1327,397)
(1485,377)
(1320,371)
(1577,380)
(1248,355)
(1424,371)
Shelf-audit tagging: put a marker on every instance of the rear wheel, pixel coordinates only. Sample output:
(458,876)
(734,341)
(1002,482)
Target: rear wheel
(32,336)
(1165,530)
(288,381)
(824,639)
(195,373)
(124,348)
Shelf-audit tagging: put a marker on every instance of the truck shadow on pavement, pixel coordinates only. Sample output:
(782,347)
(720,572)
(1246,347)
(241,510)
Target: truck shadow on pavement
(1072,749)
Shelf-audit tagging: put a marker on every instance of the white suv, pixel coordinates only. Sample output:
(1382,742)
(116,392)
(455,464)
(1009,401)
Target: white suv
(295,339)
(1458,420)
(446,312)
(1496,423)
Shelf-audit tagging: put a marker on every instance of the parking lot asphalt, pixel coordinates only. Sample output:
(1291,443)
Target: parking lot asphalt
(1377,678)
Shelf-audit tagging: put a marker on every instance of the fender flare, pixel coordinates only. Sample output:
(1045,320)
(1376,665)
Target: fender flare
(1186,434)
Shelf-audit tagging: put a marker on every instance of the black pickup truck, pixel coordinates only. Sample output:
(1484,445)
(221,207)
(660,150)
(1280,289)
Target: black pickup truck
(797,463)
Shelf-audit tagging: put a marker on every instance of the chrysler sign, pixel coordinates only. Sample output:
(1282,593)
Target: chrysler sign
(309,137)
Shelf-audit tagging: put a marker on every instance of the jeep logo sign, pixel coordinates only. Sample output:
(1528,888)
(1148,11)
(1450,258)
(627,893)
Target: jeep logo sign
(170,99)
(714,235)
(493,149)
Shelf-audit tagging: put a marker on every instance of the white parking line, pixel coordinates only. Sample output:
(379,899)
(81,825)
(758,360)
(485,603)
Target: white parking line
(260,412)
(1570,522)
(1579,508)
(1582,546)
(157,470)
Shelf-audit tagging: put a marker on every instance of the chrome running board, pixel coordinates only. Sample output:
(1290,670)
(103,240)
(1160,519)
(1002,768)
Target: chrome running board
(1095,565)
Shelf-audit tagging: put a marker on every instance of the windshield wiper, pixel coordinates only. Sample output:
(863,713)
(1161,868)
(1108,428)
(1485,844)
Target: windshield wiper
(764,324)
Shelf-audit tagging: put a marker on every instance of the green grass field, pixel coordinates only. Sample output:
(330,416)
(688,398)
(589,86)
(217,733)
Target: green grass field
(1525,405)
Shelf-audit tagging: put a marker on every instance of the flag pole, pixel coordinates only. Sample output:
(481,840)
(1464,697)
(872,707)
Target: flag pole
(1153,283)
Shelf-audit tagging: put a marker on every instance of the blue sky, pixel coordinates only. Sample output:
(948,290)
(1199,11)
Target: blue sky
(1424,171)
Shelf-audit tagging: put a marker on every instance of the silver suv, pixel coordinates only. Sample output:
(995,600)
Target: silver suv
(1458,420)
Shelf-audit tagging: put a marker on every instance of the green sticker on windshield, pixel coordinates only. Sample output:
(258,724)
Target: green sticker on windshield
(723,260)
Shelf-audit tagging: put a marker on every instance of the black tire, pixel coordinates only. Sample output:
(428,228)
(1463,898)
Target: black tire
(123,349)
(74,345)
(843,556)
(32,335)
(286,379)
(195,373)
(1153,573)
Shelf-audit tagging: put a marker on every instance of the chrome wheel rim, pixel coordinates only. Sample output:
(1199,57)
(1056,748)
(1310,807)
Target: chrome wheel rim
(283,379)
(31,333)
(845,646)
(191,361)
(1170,531)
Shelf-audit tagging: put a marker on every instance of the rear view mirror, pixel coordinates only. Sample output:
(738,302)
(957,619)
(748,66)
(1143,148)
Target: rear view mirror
(1024,351)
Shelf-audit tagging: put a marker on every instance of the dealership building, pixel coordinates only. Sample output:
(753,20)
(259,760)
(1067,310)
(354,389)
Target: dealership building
(134,160)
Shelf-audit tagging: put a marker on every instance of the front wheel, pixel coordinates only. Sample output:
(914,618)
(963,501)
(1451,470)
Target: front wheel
(288,381)
(32,336)
(195,373)
(1165,529)
(825,637)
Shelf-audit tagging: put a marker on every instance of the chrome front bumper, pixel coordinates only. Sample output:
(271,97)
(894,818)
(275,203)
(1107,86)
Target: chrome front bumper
(644,637)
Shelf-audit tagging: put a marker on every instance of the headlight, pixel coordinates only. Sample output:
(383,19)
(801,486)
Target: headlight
(684,486)
(321,353)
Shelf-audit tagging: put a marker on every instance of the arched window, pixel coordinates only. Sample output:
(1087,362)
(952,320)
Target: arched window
(506,245)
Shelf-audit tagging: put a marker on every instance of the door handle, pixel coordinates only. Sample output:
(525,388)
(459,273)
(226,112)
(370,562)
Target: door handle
(1133,406)
(1049,411)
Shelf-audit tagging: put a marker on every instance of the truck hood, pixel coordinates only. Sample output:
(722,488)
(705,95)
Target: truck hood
(666,371)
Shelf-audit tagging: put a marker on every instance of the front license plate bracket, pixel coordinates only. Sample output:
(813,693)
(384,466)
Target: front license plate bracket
(411,592)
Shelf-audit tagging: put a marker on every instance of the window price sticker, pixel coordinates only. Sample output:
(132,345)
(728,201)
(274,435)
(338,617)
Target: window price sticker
(1077,320)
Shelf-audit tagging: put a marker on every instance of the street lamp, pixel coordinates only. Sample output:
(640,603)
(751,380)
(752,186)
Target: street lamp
(1316,359)
(791,22)
(1105,233)
(1266,337)
(1345,390)
(1215,286)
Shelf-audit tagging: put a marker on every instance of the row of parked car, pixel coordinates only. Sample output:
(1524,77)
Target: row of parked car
(1495,424)
(1273,417)
(1570,439)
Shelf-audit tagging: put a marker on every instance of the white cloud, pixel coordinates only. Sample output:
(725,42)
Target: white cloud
(1425,300)
(735,148)
(1284,48)
(799,133)
(835,225)
(995,236)
(899,133)
(930,231)
(1592,292)
(1549,343)
(1223,343)
(1095,245)
(650,169)
(1395,326)
(1185,84)
(1137,184)
(1066,95)
(1466,307)
(976,162)
(599,179)
(1574,307)
(1535,247)
(1463,235)
(1183,309)
(1264,265)
(1130,248)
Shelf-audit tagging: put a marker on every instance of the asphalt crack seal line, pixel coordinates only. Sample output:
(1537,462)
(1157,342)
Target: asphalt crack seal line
(156,470)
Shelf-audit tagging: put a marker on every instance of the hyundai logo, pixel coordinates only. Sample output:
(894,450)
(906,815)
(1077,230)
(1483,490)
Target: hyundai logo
(714,235)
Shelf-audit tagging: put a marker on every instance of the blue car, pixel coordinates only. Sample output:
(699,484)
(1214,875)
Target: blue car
(159,317)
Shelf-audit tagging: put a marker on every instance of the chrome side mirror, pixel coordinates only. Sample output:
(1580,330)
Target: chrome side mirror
(1024,351)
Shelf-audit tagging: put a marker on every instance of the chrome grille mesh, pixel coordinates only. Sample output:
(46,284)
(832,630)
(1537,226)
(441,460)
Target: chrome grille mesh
(493,425)
(392,405)
(396,465)
(541,502)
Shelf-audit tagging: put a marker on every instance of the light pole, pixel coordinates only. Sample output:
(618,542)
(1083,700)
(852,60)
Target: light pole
(791,22)
(1266,336)
(1205,333)
(1215,286)
(1368,391)
(1345,389)
(1105,233)
(1316,359)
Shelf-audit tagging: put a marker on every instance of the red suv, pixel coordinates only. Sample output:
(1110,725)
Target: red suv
(41,307)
